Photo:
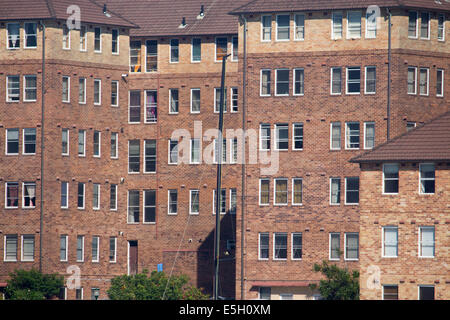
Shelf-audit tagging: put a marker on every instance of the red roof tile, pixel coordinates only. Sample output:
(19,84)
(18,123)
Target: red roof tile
(430,142)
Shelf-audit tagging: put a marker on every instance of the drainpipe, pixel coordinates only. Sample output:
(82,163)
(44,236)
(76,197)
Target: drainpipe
(41,222)
(389,77)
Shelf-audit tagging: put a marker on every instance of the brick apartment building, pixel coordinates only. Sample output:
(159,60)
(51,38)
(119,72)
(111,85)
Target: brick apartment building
(404,215)
(117,195)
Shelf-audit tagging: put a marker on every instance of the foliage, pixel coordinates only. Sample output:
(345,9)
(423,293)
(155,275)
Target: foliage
(340,284)
(33,285)
(157,286)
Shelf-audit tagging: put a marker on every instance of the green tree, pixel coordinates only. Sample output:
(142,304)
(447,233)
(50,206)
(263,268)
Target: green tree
(33,285)
(340,284)
(157,286)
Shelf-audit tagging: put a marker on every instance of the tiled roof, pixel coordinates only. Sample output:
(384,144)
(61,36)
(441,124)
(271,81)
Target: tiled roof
(163,17)
(430,142)
(90,11)
(260,6)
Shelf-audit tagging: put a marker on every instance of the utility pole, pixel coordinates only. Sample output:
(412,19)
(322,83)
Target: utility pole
(219,182)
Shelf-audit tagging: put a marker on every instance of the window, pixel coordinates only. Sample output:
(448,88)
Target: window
(354,24)
(194,201)
(369,135)
(297,191)
(13,30)
(336,82)
(12,195)
(115,93)
(371,24)
(352,135)
(335,246)
(282,82)
(81,143)
(174,50)
(149,206)
(115,41)
(390,292)
(283,28)
(297,132)
(65,37)
(264,136)
(114,145)
(83,38)
(335,191)
(78,293)
(29,141)
(97,92)
(221,48)
(280,246)
(133,206)
(13,91)
(336,26)
(134,156)
(282,136)
(427,178)
(112,249)
(113,197)
(264,191)
(63,248)
(217,92)
(441,27)
(65,89)
(390,242)
(97,144)
(173,100)
(173,202)
(196,50)
(65,142)
(96,196)
(27,247)
(353,80)
(195,151)
(440,82)
(426,242)
(299,33)
(97,39)
(234,99)
(12,141)
(266,28)
(223,201)
(234,150)
(195,100)
(235,48)
(299,82)
(352,190)
(426,292)
(390,178)
(80,195)
(151,63)
(412,24)
(281,192)
(233,200)
(265,83)
(224,151)
(28,195)
(296,246)
(64,194)
(150,156)
(10,247)
(135,56)
(351,246)
(95,248)
(82,90)
(263,246)
(264,293)
(425,25)
(371,80)
(80,248)
(412,80)
(30,88)
(335,136)
(423,81)
(151,106)
(173,151)
(135,107)
(410,126)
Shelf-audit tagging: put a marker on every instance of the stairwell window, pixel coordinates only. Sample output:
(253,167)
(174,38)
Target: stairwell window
(351,190)
(13,35)
(30,29)
(174,50)
(427,178)
(425,25)
(441,27)
(424,75)
(151,63)
(283,27)
(354,24)
(299,33)
(13,88)
(440,82)
(266,28)
(336,26)
(413,25)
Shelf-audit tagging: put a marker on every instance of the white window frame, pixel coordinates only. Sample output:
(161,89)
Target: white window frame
(170,51)
(116,134)
(217,100)
(420,242)
(428,81)
(170,101)
(8,96)
(128,206)
(349,36)
(99,81)
(83,39)
(420,178)
(23,142)
(223,190)
(292,245)
(169,153)
(365,134)
(259,246)
(96,185)
(116,188)
(383,242)
(287,245)
(149,105)
(25,88)
(191,149)
(417,26)
(68,89)
(331,191)
(292,190)
(23,195)
(134,106)
(22,247)
(332,84)
(68,141)
(275,192)
(7,36)
(6,195)
(276,83)
(139,153)
(117,41)
(296,26)
(83,81)
(115,250)
(99,144)
(144,206)
(367,31)
(144,156)
(276,26)
(66,206)
(65,38)
(116,84)
(261,83)
(191,100)
(293,81)
(345,194)
(384,178)
(97,258)
(331,135)
(425,286)
(190,201)
(443,27)
(428,27)
(329,246)
(347,137)
(234,57)
(294,137)
(262,28)
(365,80)
(192,50)
(82,248)
(234,98)
(277,125)
(84,196)
(387,285)
(84,143)
(345,246)
(6,142)
(261,137)
(333,25)
(67,247)
(231,201)
(415,80)
(168,203)
(347,81)
(5,248)
(215,47)
(100,40)
(442,83)
(259,193)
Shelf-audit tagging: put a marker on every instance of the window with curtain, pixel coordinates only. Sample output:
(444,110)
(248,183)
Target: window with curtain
(151,106)
(299,27)
(352,246)
(266,28)
(29,195)
(264,191)
(369,135)
(152,56)
(335,190)
(427,178)
(281,191)
(12,195)
(173,101)
(335,135)
(13,30)
(135,56)
(297,191)
(265,83)
(133,206)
